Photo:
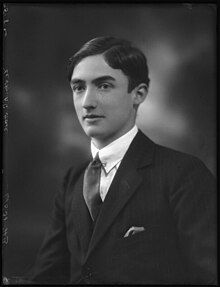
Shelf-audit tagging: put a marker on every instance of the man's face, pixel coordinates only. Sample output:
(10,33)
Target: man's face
(103,105)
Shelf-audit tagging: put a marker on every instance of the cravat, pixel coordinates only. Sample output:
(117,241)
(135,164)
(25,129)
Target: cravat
(91,185)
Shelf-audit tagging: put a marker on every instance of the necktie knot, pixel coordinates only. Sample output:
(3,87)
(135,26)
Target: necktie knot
(96,162)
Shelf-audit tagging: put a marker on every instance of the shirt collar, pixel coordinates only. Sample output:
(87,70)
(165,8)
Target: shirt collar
(113,153)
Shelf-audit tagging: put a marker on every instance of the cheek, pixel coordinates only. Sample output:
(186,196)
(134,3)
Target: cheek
(115,102)
(77,106)
(121,107)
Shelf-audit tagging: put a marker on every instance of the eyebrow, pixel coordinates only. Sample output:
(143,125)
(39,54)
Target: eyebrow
(94,81)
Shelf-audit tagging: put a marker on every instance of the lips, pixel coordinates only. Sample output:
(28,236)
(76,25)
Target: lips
(92,117)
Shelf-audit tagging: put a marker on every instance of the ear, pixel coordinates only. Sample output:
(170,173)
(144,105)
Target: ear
(139,94)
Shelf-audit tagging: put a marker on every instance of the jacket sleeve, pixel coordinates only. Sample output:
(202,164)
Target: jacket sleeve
(52,264)
(193,203)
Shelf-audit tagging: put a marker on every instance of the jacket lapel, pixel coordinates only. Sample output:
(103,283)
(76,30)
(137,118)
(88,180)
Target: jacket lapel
(80,214)
(125,183)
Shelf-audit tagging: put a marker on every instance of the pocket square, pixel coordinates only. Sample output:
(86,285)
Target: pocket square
(133,230)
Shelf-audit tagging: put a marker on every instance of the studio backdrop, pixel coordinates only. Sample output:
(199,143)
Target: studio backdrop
(42,137)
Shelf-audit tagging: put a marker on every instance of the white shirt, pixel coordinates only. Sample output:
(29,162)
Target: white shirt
(111,157)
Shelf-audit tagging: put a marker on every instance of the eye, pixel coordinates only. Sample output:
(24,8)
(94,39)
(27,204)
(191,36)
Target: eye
(78,88)
(104,86)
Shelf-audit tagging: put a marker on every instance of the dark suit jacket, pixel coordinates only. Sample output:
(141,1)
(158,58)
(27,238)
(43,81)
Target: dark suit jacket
(170,194)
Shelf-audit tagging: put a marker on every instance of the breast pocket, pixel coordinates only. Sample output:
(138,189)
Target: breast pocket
(133,238)
(143,242)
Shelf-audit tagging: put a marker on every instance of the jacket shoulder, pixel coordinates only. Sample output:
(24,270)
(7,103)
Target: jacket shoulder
(182,171)
(167,157)
(178,160)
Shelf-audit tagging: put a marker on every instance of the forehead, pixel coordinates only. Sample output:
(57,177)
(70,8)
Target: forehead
(95,66)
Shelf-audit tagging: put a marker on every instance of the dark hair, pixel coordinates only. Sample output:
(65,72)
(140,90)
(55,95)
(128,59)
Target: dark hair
(119,54)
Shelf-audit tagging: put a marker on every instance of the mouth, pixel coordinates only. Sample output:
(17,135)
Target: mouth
(92,117)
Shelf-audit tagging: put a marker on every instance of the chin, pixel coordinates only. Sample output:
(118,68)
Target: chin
(93,132)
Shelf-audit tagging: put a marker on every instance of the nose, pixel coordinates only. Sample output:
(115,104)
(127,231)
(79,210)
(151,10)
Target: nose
(89,99)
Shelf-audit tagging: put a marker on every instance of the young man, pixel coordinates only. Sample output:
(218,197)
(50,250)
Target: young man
(139,213)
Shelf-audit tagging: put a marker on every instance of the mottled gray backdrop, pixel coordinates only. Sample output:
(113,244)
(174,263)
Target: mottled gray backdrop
(44,137)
